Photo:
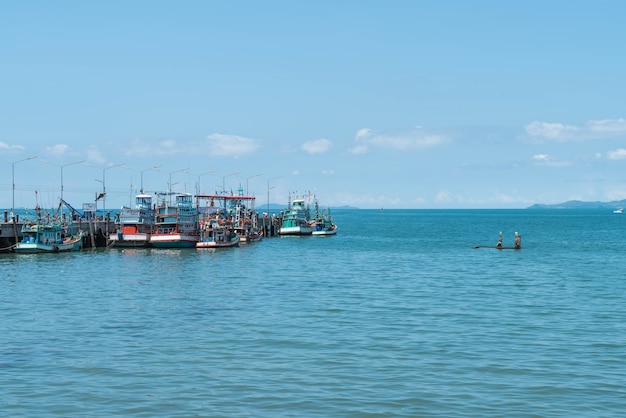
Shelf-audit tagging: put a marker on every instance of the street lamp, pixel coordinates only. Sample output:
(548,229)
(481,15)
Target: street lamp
(61,167)
(268,193)
(170,182)
(256,175)
(104,189)
(224,187)
(142,171)
(198,188)
(13,180)
(224,180)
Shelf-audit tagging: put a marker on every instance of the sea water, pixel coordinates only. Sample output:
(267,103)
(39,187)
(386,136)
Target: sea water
(396,315)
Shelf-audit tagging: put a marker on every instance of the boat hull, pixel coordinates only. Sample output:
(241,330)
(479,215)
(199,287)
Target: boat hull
(74,244)
(130,240)
(233,242)
(326,232)
(295,230)
(173,240)
(252,237)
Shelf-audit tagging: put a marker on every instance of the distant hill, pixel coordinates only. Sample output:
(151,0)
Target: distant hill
(577,204)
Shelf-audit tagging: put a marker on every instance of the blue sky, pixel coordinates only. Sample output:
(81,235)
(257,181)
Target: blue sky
(394,104)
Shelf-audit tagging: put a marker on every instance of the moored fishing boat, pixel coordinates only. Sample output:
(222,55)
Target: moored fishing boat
(216,235)
(296,219)
(247,232)
(49,234)
(135,225)
(44,236)
(176,225)
(322,222)
(254,236)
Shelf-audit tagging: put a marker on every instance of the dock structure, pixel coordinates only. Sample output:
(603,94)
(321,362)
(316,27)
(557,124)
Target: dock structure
(237,209)
(270,225)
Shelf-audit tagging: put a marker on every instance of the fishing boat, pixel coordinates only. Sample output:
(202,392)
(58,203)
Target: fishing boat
(216,235)
(322,222)
(296,219)
(234,211)
(134,226)
(247,232)
(48,234)
(176,225)
(620,210)
(47,237)
(254,236)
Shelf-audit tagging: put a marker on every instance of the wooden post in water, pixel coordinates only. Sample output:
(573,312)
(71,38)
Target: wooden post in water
(91,235)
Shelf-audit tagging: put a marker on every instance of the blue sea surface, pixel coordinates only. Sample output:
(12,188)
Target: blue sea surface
(397,315)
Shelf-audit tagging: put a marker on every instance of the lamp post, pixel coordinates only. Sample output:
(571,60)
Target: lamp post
(170,182)
(198,188)
(61,166)
(268,193)
(13,180)
(224,181)
(104,189)
(156,167)
(251,177)
(224,187)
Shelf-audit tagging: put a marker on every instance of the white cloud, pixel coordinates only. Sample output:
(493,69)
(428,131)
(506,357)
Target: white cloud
(444,197)
(413,139)
(95,156)
(318,146)
(556,131)
(618,193)
(214,145)
(607,125)
(549,161)
(503,198)
(140,148)
(6,147)
(359,149)
(618,154)
(363,132)
(592,129)
(230,145)
(328,172)
(57,150)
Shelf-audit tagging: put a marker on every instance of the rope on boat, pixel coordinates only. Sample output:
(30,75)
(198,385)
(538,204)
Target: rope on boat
(8,248)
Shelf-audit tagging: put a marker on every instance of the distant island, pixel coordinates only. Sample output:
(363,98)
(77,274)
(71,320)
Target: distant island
(577,204)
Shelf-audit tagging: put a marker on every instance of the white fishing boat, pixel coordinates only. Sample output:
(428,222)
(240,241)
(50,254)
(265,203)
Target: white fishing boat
(620,210)
(135,225)
(176,225)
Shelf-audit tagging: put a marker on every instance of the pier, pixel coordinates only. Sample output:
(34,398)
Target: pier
(96,229)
